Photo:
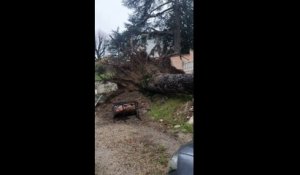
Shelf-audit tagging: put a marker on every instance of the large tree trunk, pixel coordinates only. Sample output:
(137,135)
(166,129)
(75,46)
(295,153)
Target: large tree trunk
(171,83)
(177,34)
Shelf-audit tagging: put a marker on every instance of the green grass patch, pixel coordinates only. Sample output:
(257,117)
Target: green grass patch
(97,77)
(186,128)
(103,77)
(168,111)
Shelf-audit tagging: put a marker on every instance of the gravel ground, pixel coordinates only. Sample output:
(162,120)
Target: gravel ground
(131,146)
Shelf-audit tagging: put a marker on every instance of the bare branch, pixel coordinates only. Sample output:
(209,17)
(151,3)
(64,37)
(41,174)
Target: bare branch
(157,31)
(160,6)
(155,15)
(160,13)
(100,45)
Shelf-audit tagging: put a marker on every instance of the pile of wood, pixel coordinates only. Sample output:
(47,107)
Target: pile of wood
(124,109)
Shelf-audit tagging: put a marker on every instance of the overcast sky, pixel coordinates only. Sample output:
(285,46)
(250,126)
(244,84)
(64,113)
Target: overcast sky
(109,14)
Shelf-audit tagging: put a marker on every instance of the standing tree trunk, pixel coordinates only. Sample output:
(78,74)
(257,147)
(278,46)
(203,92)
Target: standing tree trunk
(177,34)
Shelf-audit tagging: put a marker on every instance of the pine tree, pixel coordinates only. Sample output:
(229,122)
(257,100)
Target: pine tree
(169,21)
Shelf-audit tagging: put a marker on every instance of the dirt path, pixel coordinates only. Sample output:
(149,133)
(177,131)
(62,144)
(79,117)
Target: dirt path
(132,147)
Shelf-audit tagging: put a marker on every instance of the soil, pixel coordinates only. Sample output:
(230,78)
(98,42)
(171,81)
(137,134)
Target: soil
(131,146)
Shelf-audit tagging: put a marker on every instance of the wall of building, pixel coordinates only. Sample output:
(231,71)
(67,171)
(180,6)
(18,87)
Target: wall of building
(186,63)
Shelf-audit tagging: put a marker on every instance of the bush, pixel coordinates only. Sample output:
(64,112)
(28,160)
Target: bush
(100,69)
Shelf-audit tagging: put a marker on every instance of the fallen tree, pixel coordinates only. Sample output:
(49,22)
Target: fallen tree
(155,75)
(170,83)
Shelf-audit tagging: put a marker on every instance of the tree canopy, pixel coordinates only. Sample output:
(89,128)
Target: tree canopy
(169,22)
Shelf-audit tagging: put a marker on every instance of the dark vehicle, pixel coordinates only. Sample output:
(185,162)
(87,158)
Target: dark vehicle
(124,109)
(182,162)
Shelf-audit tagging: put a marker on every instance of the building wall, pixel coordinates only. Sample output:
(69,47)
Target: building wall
(186,63)
(176,62)
(188,67)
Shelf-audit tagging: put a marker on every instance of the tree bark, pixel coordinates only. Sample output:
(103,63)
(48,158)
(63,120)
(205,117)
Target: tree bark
(177,34)
(171,83)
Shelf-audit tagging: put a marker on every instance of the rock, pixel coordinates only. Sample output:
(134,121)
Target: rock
(192,109)
(177,126)
(186,106)
(191,120)
(161,120)
(105,87)
(144,111)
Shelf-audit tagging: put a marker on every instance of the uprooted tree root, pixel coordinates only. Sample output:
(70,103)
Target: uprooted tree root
(140,72)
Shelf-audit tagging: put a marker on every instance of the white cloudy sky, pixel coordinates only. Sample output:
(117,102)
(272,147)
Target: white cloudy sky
(110,14)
